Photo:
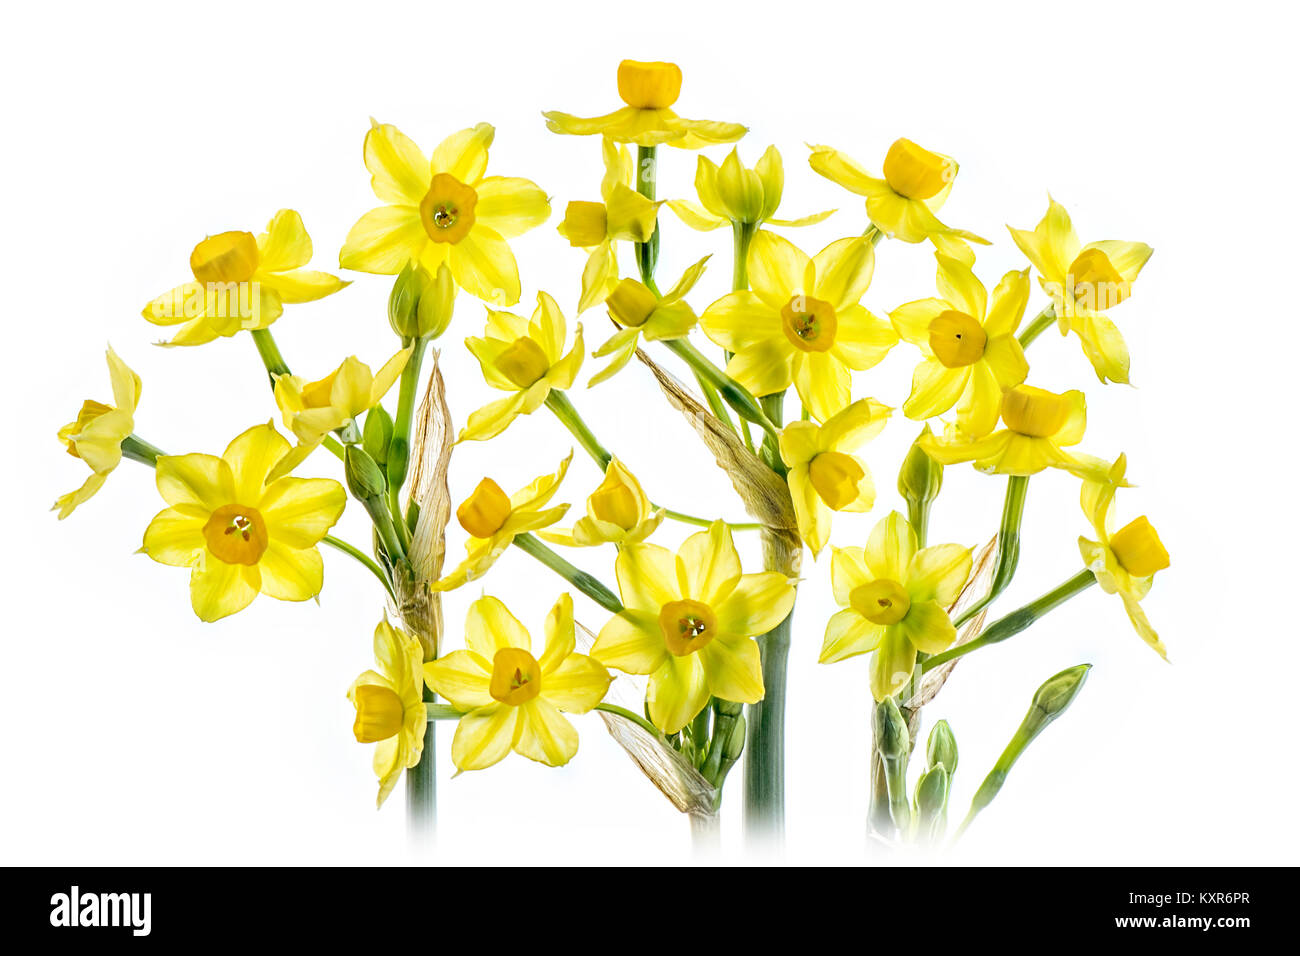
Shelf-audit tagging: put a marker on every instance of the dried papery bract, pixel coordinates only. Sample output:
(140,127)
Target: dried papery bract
(431,444)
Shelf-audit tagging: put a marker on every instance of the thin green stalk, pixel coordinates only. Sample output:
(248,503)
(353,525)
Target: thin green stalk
(635,718)
(270,353)
(714,401)
(732,392)
(918,516)
(874,234)
(558,402)
(708,523)
(399,448)
(581,580)
(1017,620)
(441,711)
(137,449)
(765,752)
(421,781)
(1008,553)
(742,234)
(1036,328)
(351,551)
(647,253)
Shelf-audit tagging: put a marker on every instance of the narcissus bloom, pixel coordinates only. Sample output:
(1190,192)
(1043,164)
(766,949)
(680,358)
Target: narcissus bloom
(525,358)
(824,475)
(644,315)
(493,519)
(689,622)
(444,210)
(1039,426)
(649,90)
(1125,562)
(802,322)
(732,193)
(895,601)
(624,214)
(242,281)
(1085,281)
(311,410)
(618,512)
(513,701)
(903,203)
(240,534)
(97,434)
(969,344)
(390,706)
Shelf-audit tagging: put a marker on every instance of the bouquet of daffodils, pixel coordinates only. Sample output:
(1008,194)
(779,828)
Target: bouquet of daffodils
(685,660)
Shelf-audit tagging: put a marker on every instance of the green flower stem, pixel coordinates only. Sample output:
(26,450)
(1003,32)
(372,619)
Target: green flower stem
(360,556)
(773,407)
(714,401)
(399,448)
(1036,328)
(732,392)
(270,352)
(137,449)
(382,519)
(558,402)
(647,253)
(742,234)
(581,580)
(441,711)
(421,781)
(1017,620)
(1008,554)
(765,760)
(918,516)
(708,523)
(637,719)
(873,233)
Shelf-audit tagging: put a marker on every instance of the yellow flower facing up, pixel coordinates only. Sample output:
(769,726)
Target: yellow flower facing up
(618,512)
(802,322)
(732,193)
(824,474)
(969,344)
(493,519)
(525,358)
(640,314)
(242,281)
(649,90)
(904,201)
(1084,281)
(1125,562)
(1040,425)
(689,622)
(623,214)
(444,210)
(390,706)
(513,700)
(238,533)
(895,601)
(311,410)
(97,434)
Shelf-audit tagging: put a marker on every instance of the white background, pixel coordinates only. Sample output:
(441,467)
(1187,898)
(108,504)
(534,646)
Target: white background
(133,733)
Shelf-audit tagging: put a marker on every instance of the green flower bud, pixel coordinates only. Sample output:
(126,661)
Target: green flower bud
(890,729)
(921,477)
(735,743)
(404,300)
(1056,694)
(436,304)
(365,480)
(941,748)
(377,434)
(931,794)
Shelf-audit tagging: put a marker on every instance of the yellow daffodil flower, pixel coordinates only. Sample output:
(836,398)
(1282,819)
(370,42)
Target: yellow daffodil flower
(1039,426)
(824,475)
(802,322)
(242,281)
(969,344)
(514,701)
(239,533)
(731,193)
(618,511)
(97,434)
(624,214)
(689,622)
(895,601)
(390,706)
(444,210)
(525,358)
(643,315)
(649,90)
(1125,562)
(493,519)
(903,203)
(311,410)
(1084,282)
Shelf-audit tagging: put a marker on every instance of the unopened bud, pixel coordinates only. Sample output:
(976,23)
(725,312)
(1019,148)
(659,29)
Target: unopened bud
(931,794)
(377,434)
(892,740)
(921,476)
(1056,694)
(404,300)
(735,743)
(941,748)
(364,478)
